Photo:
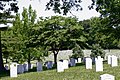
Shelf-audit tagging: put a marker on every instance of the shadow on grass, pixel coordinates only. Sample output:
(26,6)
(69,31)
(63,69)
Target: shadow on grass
(80,64)
(5,73)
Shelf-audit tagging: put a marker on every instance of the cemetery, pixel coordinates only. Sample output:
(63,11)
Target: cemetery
(101,69)
(60,42)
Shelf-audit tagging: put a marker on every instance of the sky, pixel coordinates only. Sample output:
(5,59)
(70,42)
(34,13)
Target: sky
(39,6)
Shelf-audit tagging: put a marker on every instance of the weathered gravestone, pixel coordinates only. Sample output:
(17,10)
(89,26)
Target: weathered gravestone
(49,64)
(72,62)
(99,64)
(25,65)
(88,63)
(39,66)
(114,61)
(109,59)
(65,64)
(107,77)
(60,67)
(13,70)
(20,68)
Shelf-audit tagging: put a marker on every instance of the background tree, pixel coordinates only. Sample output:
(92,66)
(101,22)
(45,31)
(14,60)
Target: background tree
(5,13)
(57,33)
(77,52)
(22,30)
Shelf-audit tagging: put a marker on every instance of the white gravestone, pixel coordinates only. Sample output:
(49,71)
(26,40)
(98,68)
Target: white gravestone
(88,63)
(20,68)
(76,61)
(107,77)
(72,62)
(13,70)
(114,61)
(79,60)
(49,64)
(65,64)
(109,59)
(25,67)
(60,67)
(99,64)
(39,66)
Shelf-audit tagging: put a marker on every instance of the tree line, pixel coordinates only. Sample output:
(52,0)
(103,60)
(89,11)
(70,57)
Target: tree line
(29,40)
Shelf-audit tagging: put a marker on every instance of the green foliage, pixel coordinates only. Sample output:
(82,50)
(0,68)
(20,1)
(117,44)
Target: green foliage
(97,51)
(63,6)
(77,52)
(57,33)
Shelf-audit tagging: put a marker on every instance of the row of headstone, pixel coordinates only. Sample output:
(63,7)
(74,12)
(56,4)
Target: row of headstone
(21,68)
(112,60)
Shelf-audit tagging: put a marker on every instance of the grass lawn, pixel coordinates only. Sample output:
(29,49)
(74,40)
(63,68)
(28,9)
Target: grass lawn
(73,73)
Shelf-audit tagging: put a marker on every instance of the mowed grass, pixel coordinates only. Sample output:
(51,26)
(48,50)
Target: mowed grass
(73,73)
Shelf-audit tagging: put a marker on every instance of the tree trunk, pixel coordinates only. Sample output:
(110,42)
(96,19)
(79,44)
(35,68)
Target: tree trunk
(29,64)
(1,59)
(55,58)
(6,60)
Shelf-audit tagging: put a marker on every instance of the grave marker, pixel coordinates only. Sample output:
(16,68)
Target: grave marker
(99,64)
(88,63)
(107,77)
(114,61)
(60,67)
(13,70)
(65,64)
(72,62)
(39,66)
(109,59)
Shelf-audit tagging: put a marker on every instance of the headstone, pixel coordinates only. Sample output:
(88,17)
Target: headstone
(20,68)
(88,63)
(13,70)
(60,67)
(6,67)
(65,64)
(99,64)
(114,61)
(76,61)
(72,62)
(39,66)
(25,67)
(49,64)
(107,77)
(109,59)
(79,60)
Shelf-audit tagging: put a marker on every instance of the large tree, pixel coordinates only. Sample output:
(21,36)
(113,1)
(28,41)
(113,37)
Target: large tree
(5,13)
(57,33)
(22,30)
